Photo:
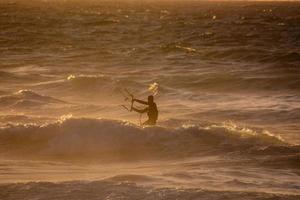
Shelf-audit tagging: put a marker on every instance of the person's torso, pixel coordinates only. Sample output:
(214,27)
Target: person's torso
(152,112)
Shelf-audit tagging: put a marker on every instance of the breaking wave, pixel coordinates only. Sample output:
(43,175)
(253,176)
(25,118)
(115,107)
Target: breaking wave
(106,139)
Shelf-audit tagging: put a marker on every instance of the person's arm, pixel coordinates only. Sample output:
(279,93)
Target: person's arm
(138,110)
(140,101)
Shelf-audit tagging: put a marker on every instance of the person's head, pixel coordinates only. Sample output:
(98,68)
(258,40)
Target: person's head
(150,99)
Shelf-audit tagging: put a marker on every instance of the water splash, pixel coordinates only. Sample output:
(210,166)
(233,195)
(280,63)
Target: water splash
(153,88)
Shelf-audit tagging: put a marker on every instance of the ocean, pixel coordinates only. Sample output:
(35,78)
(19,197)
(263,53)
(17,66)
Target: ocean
(225,77)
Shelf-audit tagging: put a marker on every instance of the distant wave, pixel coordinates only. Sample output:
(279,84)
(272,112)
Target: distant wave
(15,77)
(234,82)
(26,99)
(246,36)
(90,83)
(109,139)
(6,75)
(3,92)
(109,189)
(89,87)
(102,87)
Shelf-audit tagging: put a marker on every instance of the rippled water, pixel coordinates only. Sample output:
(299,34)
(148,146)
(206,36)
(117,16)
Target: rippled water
(228,98)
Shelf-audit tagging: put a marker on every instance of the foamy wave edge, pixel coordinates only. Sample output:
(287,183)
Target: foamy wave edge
(98,138)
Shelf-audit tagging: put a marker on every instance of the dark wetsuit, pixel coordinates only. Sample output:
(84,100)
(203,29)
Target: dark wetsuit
(152,113)
(151,110)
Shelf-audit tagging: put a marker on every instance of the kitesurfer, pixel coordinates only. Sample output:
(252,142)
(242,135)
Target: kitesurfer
(151,110)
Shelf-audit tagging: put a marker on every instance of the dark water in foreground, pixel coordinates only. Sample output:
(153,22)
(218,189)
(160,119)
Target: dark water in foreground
(228,81)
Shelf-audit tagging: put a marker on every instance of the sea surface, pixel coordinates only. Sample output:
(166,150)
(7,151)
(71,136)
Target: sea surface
(226,79)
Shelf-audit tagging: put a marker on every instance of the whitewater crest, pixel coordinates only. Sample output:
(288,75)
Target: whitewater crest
(101,138)
(27,99)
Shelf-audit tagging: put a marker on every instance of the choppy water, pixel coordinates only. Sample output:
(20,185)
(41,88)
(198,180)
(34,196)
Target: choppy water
(228,98)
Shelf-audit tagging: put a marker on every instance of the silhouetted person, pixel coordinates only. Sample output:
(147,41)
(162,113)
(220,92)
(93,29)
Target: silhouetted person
(151,110)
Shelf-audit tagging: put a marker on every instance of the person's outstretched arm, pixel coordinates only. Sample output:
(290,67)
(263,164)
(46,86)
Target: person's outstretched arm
(138,110)
(140,101)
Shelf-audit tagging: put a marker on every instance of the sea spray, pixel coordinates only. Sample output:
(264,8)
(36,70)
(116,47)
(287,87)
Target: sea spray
(153,88)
